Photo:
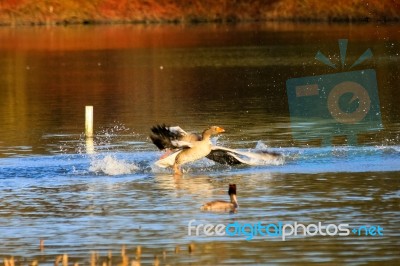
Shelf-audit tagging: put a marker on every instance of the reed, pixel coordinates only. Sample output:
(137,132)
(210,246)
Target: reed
(191,248)
(138,252)
(41,245)
(156,261)
(108,260)
(93,259)
(135,263)
(9,262)
(57,260)
(63,260)
(177,249)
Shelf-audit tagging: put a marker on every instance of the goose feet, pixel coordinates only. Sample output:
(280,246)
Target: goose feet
(177,170)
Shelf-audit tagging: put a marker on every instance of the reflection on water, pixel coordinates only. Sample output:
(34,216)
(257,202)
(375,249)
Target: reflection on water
(193,76)
(80,214)
(233,76)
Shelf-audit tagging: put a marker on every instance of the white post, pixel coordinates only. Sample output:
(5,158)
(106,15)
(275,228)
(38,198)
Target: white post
(89,146)
(89,129)
(89,121)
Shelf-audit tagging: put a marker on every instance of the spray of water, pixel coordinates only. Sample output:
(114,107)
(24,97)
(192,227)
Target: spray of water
(110,165)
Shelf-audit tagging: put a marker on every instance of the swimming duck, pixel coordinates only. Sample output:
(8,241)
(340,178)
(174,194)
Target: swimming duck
(223,206)
(188,147)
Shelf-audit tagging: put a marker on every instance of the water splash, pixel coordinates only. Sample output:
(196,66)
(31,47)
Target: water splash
(262,155)
(105,139)
(110,165)
(261,145)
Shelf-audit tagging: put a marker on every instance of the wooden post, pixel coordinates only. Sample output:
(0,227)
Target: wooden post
(89,146)
(89,121)
(89,129)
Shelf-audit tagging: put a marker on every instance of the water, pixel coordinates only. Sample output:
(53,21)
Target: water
(193,76)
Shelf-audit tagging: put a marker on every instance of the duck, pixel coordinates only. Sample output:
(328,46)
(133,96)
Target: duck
(223,206)
(187,147)
(174,140)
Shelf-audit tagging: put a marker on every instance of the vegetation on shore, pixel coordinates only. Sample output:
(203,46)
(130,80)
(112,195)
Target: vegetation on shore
(125,258)
(51,12)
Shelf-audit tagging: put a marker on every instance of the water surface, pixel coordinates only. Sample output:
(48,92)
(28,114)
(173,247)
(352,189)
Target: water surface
(193,76)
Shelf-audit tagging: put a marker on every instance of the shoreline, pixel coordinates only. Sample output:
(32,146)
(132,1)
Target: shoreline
(88,22)
(101,12)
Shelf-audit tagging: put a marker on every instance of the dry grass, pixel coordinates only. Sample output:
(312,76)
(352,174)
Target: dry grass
(338,10)
(128,11)
(76,11)
(122,258)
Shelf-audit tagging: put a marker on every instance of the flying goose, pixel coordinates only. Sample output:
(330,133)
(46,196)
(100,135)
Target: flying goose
(191,147)
(183,147)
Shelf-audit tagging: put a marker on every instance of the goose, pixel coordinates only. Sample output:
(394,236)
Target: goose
(188,147)
(174,140)
(223,206)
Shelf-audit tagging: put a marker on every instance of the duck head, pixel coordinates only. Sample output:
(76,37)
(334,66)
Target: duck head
(232,194)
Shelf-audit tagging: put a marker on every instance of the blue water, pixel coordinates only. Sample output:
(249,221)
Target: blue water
(81,197)
(296,160)
(79,203)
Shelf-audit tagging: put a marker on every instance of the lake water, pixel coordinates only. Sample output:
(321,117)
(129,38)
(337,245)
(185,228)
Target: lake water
(52,186)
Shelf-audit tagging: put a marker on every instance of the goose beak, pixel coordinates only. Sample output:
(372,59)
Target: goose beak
(220,130)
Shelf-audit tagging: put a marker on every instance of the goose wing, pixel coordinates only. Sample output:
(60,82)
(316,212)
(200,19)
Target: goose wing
(166,137)
(223,156)
(228,156)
